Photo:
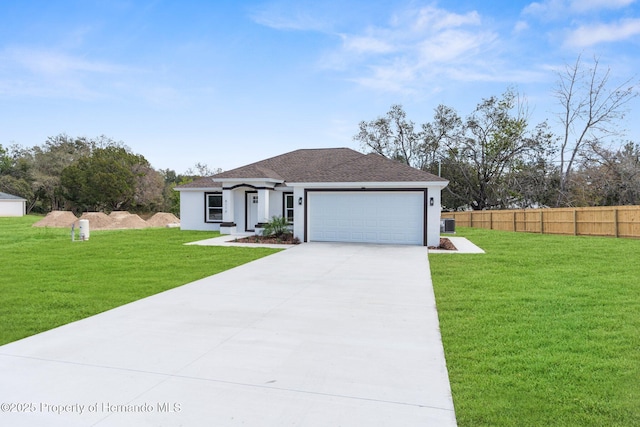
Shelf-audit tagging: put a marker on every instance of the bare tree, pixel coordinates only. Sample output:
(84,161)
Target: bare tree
(202,170)
(590,112)
(392,136)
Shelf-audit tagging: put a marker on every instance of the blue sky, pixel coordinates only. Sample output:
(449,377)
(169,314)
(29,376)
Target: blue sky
(231,82)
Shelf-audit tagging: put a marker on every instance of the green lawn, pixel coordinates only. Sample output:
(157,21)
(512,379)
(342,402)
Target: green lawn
(46,280)
(542,330)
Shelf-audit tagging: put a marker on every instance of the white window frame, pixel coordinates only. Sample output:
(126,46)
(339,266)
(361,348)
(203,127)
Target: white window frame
(286,210)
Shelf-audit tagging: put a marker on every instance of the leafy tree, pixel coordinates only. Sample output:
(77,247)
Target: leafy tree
(5,161)
(394,137)
(149,186)
(105,180)
(479,154)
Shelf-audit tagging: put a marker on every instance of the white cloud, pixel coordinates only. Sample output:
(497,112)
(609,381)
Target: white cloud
(589,35)
(287,17)
(366,44)
(588,5)
(560,9)
(51,73)
(547,9)
(433,18)
(52,62)
(416,47)
(520,26)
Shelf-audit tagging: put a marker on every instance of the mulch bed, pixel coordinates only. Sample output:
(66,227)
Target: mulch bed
(287,239)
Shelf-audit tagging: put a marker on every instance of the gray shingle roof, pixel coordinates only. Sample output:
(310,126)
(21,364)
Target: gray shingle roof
(206,182)
(330,165)
(6,196)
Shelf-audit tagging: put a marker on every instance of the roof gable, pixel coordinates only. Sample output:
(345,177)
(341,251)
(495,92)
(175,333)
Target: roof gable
(206,182)
(329,165)
(292,166)
(6,196)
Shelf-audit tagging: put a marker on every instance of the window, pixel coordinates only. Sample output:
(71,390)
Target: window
(288,207)
(213,207)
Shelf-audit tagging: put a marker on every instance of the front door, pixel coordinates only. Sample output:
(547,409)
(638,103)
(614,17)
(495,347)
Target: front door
(251,211)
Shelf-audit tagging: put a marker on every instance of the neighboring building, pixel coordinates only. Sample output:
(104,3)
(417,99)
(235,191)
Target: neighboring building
(11,205)
(333,194)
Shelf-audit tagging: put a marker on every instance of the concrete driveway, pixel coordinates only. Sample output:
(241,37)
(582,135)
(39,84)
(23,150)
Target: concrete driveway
(321,334)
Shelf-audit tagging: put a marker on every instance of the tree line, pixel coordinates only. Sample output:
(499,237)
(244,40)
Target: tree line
(89,174)
(495,159)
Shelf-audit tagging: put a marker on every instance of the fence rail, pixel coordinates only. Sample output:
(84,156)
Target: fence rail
(613,221)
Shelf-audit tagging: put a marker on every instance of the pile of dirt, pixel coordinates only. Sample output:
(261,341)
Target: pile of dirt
(114,221)
(126,220)
(60,219)
(119,214)
(97,220)
(163,219)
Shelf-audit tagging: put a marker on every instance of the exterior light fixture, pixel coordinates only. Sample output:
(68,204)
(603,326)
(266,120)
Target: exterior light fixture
(300,201)
(431,202)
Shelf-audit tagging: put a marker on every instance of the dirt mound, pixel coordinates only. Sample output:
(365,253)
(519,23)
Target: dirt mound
(121,221)
(163,219)
(114,221)
(97,220)
(57,219)
(119,214)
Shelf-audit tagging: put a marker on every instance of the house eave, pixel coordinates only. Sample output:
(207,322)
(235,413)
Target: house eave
(198,189)
(249,180)
(369,184)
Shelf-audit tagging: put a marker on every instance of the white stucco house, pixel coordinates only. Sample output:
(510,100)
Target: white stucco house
(332,194)
(11,205)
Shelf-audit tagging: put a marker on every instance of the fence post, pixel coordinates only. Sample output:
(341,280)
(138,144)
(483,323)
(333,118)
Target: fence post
(515,228)
(541,222)
(615,222)
(575,222)
(490,220)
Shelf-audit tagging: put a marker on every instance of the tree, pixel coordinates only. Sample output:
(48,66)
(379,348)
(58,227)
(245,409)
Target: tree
(494,143)
(201,170)
(480,155)
(104,180)
(607,177)
(57,153)
(149,186)
(394,137)
(589,113)
(5,161)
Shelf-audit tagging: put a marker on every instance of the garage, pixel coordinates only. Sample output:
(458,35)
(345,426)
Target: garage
(11,205)
(387,217)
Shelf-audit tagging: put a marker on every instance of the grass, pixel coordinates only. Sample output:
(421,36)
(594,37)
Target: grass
(542,330)
(46,280)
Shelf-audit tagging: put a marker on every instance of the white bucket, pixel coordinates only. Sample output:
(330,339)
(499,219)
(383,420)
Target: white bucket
(84,229)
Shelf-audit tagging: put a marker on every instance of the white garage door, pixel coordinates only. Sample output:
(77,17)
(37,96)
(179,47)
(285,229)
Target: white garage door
(393,217)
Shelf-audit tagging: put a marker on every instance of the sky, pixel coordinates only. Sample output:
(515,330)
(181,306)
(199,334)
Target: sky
(226,83)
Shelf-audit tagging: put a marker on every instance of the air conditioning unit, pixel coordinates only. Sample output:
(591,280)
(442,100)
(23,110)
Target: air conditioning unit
(447,225)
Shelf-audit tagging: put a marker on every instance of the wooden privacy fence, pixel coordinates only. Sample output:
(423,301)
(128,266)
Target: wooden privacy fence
(613,221)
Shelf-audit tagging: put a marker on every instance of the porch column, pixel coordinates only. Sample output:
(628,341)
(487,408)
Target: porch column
(263,206)
(228,225)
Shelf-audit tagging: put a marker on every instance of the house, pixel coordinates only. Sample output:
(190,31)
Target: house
(332,194)
(11,205)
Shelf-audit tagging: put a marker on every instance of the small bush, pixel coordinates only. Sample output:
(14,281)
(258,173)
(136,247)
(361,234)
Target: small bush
(277,227)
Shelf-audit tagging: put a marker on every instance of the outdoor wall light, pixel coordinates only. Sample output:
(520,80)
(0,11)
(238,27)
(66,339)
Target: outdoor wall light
(300,201)
(431,201)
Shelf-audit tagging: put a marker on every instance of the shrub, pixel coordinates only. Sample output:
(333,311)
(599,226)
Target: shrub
(277,227)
